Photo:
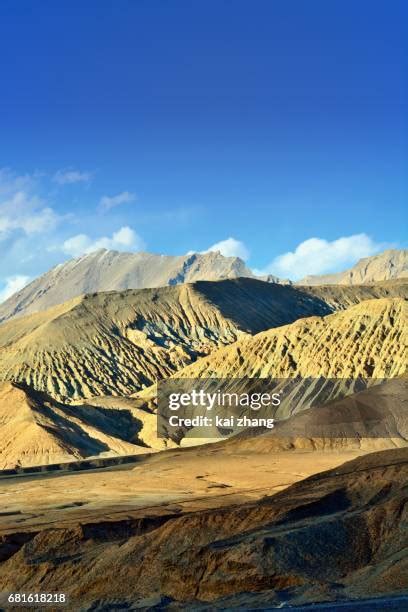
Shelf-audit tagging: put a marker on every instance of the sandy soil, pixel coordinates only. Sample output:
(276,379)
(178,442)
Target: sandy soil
(177,481)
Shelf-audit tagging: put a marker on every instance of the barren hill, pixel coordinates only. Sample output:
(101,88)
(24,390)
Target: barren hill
(337,535)
(37,430)
(340,297)
(367,340)
(373,419)
(116,343)
(390,264)
(105,270)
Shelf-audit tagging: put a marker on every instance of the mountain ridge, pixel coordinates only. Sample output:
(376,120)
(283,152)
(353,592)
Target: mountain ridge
(105,270)
(367,340)
(390,264)
(115,343)
(38,430)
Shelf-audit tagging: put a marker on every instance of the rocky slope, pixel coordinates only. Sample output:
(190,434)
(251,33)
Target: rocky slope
(37,430)
(336,535)
(340,297)
(390,264)
(116,343)
(367,340)
(373,419)
(105,270)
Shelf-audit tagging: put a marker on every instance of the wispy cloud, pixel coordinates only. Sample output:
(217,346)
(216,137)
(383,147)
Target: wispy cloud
(27,224)
(21,209)
(108,202)
(26,213)
(69,176)
(230,248)
(10,182)
(124,239)
(319,256)
(12,284)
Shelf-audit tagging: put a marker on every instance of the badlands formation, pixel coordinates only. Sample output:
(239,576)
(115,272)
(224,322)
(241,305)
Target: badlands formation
(79,379)
(366,340)
(118,343)
(310,511)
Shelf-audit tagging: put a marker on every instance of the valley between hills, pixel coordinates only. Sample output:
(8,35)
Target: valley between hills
(310,511)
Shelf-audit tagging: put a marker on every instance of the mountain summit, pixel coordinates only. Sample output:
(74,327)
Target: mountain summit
(105,270)
(390,264)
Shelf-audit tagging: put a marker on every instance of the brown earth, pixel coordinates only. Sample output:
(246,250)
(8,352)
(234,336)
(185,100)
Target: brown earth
(367,340)
(37,430)
(335,535)
(117,343)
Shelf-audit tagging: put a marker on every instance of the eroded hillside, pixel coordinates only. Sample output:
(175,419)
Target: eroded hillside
(119,342)
(37,430)
(338,534)
(367,340)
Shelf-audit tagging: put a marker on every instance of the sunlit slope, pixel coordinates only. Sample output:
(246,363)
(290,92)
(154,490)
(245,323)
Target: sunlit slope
(106,270)
(392,263)
(340,534)
(37,430)
(373,419)
(119,342)
(367,340)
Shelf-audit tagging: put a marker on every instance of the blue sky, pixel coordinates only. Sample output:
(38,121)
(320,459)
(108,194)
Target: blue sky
(269,128)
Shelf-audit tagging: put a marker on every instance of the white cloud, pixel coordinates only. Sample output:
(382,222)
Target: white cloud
(122,240)
(10,182)
(68,176)
(108,202)
(318,256)
(27,213)
(12,285)
(230,248)
(27,224)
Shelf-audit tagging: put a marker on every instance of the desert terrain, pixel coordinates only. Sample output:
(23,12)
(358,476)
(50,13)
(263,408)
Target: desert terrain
(177,535)
(94,504)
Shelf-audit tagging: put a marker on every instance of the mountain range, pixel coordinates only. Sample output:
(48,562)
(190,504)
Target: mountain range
(114,343)
(117,343)
(89,491)
(392,263)
(105,270)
